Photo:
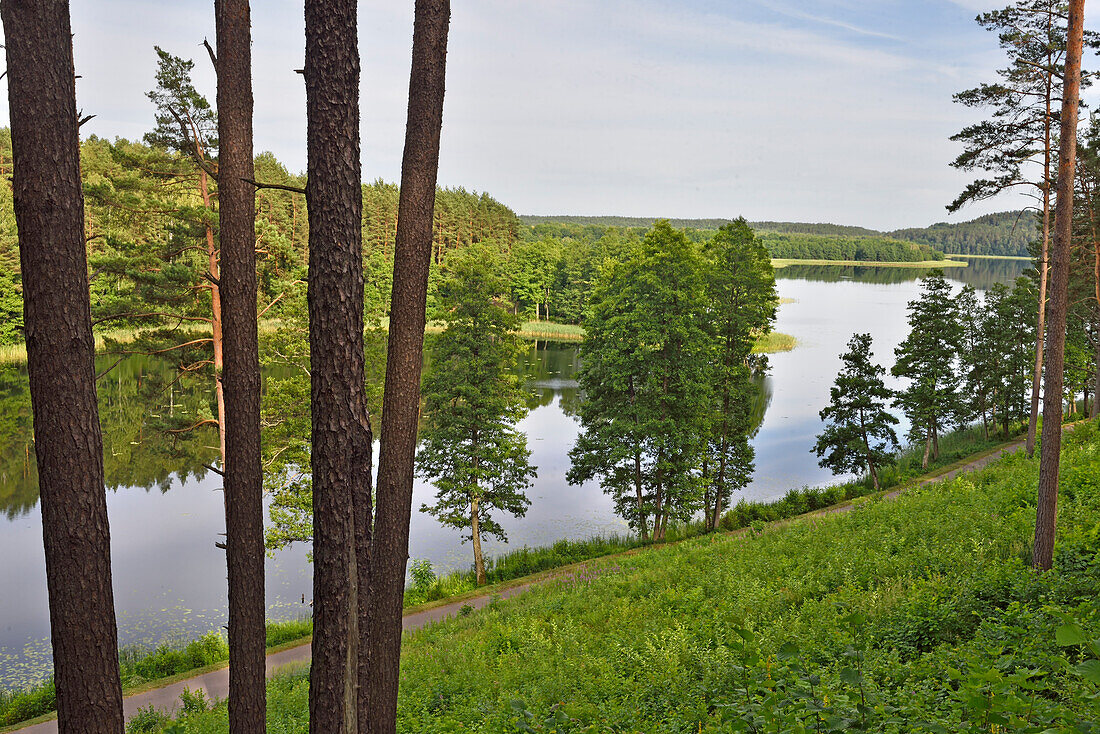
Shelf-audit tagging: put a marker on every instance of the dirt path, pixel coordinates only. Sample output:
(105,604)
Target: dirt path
(216,683)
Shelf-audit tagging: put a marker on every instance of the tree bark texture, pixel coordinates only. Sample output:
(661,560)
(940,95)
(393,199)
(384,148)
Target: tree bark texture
(241,377)
(49,212)
(341,426)
(1042,555)
(1044,274)
(401,399)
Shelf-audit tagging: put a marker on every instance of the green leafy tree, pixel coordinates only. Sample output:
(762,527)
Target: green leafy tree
(927,359)
(859,434)
(473,397)
(646,377)
(742,298)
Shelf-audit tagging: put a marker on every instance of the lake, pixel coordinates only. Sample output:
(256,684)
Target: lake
(166,511)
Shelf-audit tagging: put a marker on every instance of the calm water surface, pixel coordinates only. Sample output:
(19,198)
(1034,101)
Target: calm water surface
(166,511)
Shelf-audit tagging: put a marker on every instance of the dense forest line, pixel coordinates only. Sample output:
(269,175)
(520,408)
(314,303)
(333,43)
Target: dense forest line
(144,211)
(1003,233)
(841,247)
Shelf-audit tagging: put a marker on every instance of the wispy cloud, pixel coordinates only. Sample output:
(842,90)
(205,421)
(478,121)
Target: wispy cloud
(800,15)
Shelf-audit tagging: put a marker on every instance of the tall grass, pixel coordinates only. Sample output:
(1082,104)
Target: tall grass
(774,342)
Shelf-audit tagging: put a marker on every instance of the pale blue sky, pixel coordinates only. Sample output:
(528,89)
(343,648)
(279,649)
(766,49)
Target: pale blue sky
(801,110)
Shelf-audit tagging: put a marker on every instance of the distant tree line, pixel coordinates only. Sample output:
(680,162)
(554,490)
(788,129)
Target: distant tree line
(840,247)
(1003,233)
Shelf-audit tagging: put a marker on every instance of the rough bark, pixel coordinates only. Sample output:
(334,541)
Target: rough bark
(1044,266)
(401,399)
(1096,336)
(49,213)
(341,436)
(1046,512)
(241,376)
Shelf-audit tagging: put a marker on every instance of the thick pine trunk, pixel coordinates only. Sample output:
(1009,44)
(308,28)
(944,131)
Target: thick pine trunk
(341,435)
(1096,336)
(401,400)
(241,375)
(49,213)
(1044,265)
(1047,510)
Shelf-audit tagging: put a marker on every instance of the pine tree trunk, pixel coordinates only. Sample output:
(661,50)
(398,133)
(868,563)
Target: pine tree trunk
(341,436)
(241,377)
(1046,512)
(1096,335)
(49,213)
(1040,321)
(927,450)
(475,527)
(401,399)
(217,340)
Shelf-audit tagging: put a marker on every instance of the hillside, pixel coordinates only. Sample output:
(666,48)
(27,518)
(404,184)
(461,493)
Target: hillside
(885,618)
(1003,233)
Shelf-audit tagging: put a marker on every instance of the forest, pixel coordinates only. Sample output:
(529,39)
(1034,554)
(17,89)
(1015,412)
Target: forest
(1004,233)
(178,307)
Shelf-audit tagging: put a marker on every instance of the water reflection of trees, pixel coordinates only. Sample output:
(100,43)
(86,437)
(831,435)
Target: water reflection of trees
(140,395)
(980,273)
(132,398)
(551,369)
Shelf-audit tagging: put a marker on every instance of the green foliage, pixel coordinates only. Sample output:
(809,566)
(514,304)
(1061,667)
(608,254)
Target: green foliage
(836,247)
(470,449)
(139,666)
(742,300)
(1003,233)
(927,359)
(859,434)
(186,123)
(885,619)
(646,363)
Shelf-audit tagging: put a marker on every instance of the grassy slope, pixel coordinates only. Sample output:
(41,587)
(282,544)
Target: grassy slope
(923,605)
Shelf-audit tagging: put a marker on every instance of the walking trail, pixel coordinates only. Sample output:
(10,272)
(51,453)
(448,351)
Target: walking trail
(215,684)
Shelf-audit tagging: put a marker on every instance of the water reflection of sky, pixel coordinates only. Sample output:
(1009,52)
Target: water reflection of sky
(169,578)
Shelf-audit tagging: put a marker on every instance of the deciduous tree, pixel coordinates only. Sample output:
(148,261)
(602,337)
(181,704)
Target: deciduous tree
(742,298)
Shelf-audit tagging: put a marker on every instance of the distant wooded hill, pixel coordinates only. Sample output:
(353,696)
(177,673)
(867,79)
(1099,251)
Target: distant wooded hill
(1003,233)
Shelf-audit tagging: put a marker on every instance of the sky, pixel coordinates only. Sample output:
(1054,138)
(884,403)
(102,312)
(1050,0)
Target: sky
(798,110)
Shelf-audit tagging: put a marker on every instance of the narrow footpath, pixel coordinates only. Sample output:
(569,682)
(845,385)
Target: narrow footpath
(215,684)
